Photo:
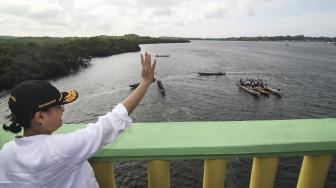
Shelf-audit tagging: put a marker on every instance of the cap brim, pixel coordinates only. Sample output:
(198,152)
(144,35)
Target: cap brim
(68,96)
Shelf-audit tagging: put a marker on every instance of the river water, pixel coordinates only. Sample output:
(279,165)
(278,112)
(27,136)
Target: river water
(305,71)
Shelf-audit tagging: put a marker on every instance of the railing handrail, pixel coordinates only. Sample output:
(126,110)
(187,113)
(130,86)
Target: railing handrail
(215,139)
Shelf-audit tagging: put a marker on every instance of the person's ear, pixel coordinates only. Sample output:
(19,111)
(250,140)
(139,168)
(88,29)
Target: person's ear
(39,117)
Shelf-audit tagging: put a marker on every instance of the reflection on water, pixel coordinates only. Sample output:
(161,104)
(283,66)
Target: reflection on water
(310,92)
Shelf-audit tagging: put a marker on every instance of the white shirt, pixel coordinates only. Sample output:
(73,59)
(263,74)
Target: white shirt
(59,160)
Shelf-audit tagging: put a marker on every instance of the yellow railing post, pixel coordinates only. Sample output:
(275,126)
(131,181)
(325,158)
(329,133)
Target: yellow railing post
(158,174)
(104,173)
(263,172)
(214,173)
(314,171)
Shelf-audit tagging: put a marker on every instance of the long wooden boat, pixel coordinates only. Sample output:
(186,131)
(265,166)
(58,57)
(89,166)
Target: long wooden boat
(161,55)
(261,91)
(251,91)
(211,73)
(161,88)
(273,91)
(162,91)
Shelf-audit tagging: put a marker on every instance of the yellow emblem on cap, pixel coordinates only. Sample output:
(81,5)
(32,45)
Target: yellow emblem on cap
(47,103)
(13,98)
(72,95)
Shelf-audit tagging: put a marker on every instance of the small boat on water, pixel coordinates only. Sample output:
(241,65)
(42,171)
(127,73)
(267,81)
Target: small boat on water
(133,86)
(251,91)
(161,55)
(161,88)
(162,91)
(211,73)
(273,91)
(261,91)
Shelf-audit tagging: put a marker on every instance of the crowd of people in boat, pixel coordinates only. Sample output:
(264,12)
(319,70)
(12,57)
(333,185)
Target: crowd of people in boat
(253,83)
(258,86)
(161,88)
(256,83)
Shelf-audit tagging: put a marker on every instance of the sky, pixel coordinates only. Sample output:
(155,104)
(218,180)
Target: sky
(174,18)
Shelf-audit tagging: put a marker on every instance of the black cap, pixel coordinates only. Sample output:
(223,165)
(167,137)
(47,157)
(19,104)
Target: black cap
(32,96)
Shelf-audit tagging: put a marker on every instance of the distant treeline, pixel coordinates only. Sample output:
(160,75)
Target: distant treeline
(273,38)
(23,58)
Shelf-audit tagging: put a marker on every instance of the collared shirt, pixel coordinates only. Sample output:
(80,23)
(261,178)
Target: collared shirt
(59,160)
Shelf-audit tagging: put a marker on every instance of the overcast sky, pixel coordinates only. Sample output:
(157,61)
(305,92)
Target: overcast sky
(180,18)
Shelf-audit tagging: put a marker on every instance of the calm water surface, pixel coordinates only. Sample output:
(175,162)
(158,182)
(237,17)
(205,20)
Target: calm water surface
(309,92)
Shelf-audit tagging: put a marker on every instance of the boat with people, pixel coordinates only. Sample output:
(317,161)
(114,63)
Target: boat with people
(161,55)
(273,91)
(249,90)
(161,88)
(262,91)
(259,85)
(211,73)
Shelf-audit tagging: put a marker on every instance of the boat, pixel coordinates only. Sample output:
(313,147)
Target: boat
(162,91)
(161,88)
(211,73)
(251,91)
(262,91)
(133,86)
(273,91)
(161,55)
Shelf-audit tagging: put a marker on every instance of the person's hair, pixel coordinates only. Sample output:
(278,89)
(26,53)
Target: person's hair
(17,123)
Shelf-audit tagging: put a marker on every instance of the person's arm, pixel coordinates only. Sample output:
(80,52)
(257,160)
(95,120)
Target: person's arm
(147,77)
(86,142)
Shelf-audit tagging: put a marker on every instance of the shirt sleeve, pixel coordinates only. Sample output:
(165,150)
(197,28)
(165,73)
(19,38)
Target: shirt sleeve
(84,143)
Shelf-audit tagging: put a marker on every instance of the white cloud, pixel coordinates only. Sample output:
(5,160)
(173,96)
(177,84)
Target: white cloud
(144,17)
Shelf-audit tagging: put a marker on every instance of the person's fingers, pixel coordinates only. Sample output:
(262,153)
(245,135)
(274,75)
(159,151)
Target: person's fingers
(142,60)
(154,64)
(146,58)
(147,67)
(149,59)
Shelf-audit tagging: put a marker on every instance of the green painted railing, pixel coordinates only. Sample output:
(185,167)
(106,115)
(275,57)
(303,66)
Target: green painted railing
(216,141)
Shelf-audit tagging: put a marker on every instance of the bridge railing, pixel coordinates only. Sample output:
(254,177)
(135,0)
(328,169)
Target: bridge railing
(216,141)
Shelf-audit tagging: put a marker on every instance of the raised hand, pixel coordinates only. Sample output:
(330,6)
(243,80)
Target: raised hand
(147,74)
(148,68)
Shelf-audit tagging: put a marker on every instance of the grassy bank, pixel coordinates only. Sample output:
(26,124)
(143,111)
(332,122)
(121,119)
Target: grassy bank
(23,58)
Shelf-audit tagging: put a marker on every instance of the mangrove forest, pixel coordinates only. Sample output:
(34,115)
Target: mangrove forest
(24,58)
